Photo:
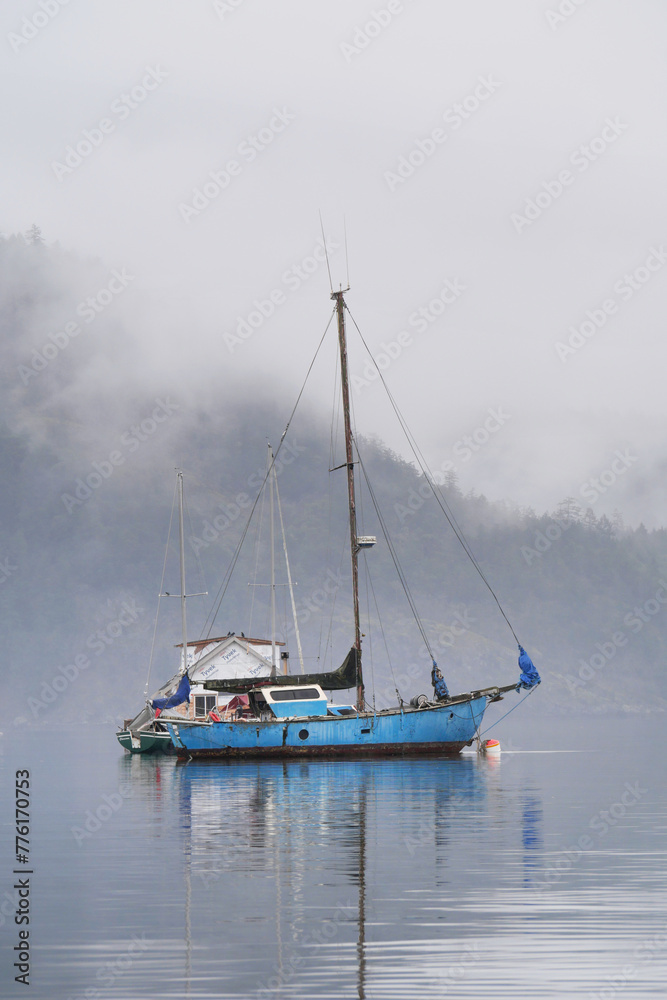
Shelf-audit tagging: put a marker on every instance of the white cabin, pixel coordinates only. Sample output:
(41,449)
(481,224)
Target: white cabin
(224,658)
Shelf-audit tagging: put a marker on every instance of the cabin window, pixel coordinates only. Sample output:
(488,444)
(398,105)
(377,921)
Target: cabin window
(204,703)
(295,694)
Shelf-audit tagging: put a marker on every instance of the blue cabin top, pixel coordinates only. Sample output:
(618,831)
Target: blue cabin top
(291,702)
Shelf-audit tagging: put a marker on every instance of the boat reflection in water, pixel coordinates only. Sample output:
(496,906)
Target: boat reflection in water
(300,875)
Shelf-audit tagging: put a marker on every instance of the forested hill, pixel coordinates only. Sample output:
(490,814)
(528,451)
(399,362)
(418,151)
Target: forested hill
(88,447)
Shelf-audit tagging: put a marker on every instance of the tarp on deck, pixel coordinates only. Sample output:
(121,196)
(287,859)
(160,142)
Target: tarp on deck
(181,694)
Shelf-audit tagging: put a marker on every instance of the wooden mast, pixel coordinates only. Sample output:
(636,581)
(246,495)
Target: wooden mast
(349,461)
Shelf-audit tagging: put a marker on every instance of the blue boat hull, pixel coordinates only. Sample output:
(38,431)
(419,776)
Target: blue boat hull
(435,729)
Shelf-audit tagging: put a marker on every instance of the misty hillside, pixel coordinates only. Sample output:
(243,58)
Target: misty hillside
(89,437)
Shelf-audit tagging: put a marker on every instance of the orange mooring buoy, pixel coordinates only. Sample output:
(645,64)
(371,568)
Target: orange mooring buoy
(491,746)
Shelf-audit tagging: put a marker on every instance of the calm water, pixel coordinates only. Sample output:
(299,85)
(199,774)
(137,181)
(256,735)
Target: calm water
(542,874)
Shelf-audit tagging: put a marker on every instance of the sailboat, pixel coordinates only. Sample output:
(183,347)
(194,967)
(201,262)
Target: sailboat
(283,715)
(145,733)
(188,694)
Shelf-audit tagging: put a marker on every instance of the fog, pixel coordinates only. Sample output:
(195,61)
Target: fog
(489,176)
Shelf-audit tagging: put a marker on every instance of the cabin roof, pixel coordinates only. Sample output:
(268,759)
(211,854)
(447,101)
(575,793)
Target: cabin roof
(199,644)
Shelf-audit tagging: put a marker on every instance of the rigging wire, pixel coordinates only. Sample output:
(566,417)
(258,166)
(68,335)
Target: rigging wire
(333,437)
(370,631)
(164,568)
(259,525)
(326,253)
(289,578)
(394,556)
(222,590)
(489,728)
(475,723)
(428,475)
(328,649)
(362,529)
(384,636)
(369,581)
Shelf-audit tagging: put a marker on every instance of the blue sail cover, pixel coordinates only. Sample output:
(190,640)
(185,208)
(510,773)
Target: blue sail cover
(181,694)
(529,676)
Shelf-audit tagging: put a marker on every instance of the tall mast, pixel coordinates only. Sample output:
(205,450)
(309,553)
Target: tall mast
(289,573)
(349,461)
(273,567)
(181,535)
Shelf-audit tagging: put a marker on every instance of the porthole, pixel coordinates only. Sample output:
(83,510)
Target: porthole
(303,734)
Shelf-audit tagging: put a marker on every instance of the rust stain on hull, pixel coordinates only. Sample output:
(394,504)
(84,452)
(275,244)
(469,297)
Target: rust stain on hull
(359,750)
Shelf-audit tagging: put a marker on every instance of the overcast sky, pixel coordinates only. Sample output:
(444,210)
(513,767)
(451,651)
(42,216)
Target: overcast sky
(501,169)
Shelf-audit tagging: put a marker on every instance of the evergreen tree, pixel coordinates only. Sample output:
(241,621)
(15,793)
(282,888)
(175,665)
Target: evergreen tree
(34,236)
(569,510)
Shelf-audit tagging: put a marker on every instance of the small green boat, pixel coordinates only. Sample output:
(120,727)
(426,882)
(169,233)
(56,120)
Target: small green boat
(144,734)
